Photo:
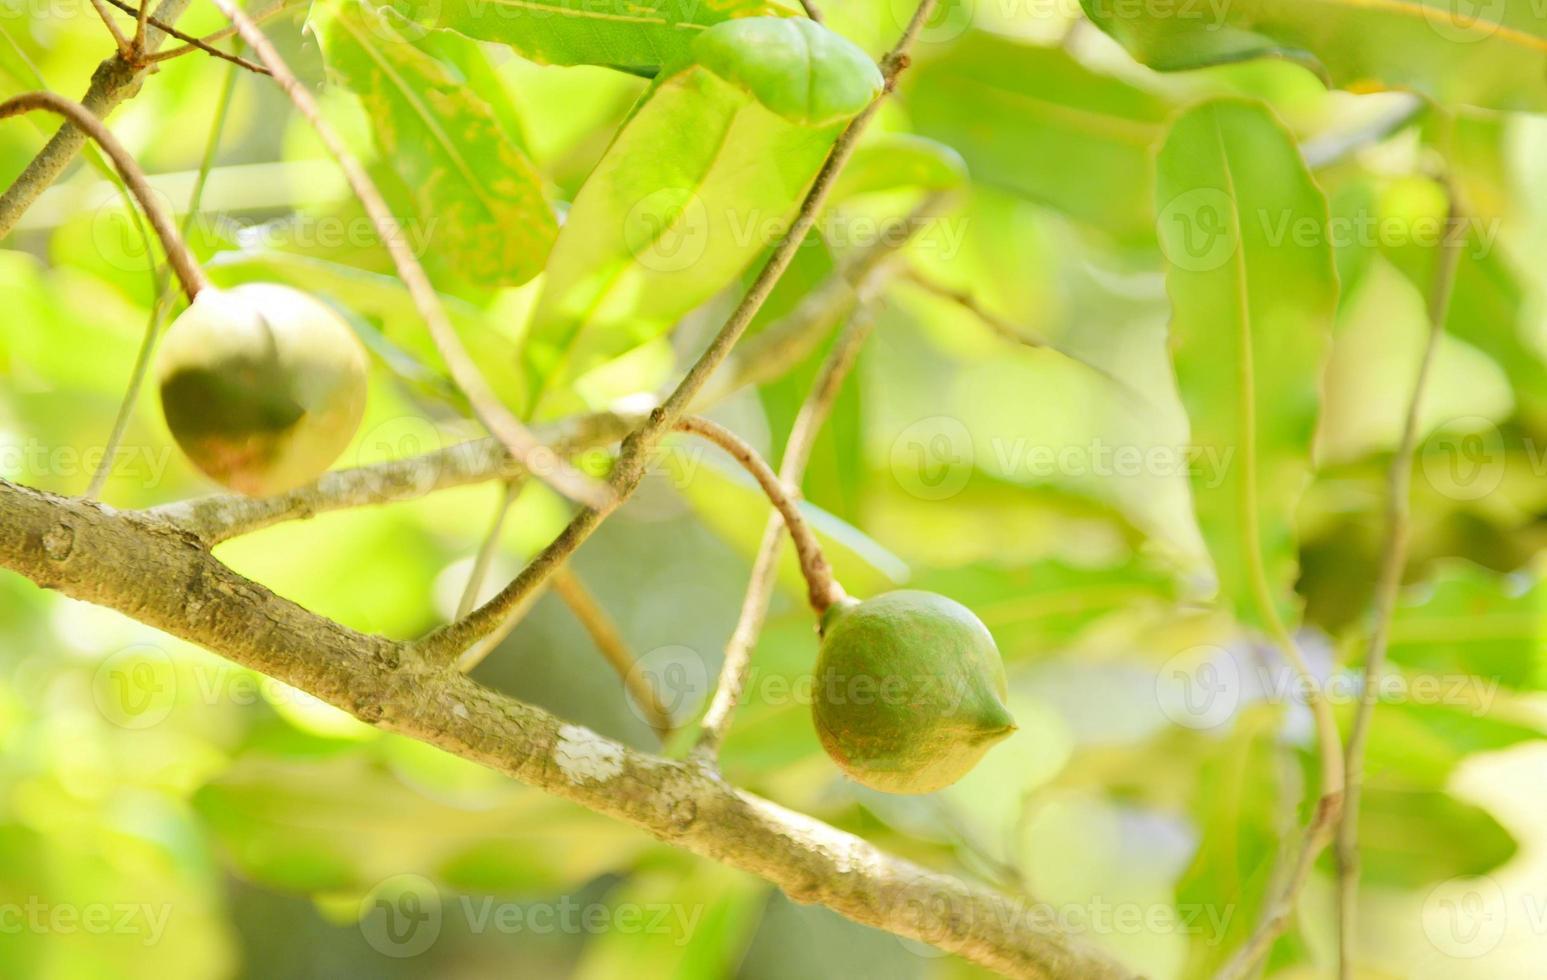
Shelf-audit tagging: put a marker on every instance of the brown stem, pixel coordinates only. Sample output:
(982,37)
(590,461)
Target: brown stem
(486,405)
(115,79)
(182,261)
(451,640)
(125,47)
(754,605)
(1389,582)
(822,589)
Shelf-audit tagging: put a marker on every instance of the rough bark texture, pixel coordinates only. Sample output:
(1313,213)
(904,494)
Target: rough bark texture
(160,574)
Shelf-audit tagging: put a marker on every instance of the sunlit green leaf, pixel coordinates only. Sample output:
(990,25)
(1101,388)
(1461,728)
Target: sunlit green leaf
(1252,305)
(1486,54)
(702,177)
(1035,121)
(900,161)
(1472,622)
(1412,839)
(631,36)
(468,174)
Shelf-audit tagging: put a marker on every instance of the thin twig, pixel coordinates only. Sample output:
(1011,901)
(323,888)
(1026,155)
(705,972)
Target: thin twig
(1389,582)
(162,304)
(791,338)
(540,460)
(450,641)
(812,10)
(609,640)
(126,49)
(190,43)
(821,588)
(182,261)
(754,605)
(208,41)
(140,17)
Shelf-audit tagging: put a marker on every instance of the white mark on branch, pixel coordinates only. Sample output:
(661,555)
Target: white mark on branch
(586,757)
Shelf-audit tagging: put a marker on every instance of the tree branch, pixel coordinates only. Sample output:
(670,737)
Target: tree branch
(189,275)
(452,640)
(162,576)
(115,80)
(791,338)
(221,517)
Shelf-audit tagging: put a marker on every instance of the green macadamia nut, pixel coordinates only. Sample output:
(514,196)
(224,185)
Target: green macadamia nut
(909,691)
(262,386)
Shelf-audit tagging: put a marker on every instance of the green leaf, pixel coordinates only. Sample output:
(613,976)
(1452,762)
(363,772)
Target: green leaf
(702,178)
(1473,621)
(1252,305)
(640,38)
(894,161)
(1413,839)
(468,174)
(715,913)
(1485,54)
(1034,609)
(1036,122)
(1417,744)
(1237,812)
(345,823)
(732,505)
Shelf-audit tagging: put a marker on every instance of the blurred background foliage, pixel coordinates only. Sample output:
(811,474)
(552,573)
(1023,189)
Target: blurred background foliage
(140,774)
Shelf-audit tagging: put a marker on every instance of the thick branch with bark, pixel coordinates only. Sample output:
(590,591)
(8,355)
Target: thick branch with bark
(162,575)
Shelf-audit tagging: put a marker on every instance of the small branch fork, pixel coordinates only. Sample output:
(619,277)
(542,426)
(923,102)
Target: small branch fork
(156,566)
(135,50)
(453,640)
